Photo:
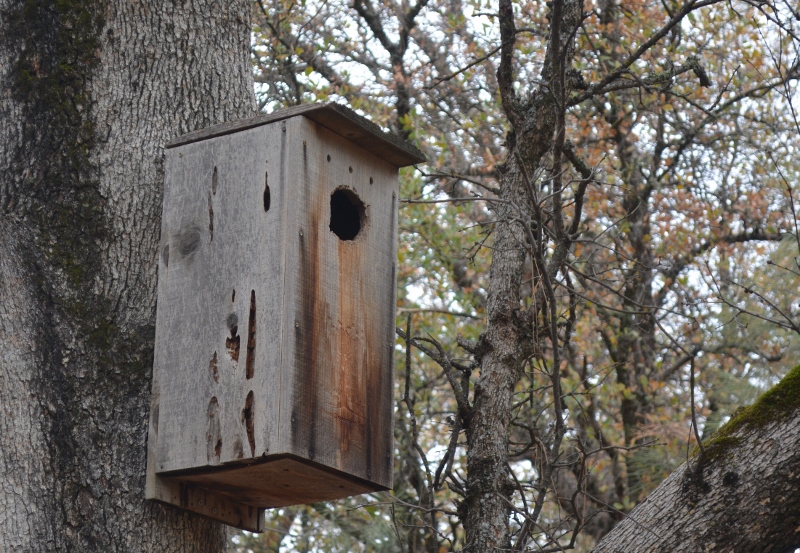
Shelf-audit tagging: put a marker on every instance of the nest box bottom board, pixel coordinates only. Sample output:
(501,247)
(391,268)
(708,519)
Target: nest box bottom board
(240,493)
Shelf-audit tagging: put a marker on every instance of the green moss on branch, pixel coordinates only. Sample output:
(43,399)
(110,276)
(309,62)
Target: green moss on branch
(775,405)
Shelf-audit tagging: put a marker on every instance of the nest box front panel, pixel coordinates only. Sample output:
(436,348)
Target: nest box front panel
(217,362)
(338,408)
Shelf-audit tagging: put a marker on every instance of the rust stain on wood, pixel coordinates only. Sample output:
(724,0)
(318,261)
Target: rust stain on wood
(232,344)
(213,368)
(341,354)
(349,361)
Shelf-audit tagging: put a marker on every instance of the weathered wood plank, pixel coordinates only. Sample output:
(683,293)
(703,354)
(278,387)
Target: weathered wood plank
(206,503)
(281,481)
(342,364)
(220,303)
(336,118)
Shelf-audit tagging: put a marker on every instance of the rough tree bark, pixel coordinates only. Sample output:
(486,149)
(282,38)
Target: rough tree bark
(91,90)
(740,495)
(534,145)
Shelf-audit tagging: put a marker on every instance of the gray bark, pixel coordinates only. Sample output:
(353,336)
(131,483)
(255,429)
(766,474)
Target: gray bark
(510,338)
(91,91)
(486,511)
(742,497)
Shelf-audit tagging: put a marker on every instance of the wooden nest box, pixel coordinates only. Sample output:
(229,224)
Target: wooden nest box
(273,372)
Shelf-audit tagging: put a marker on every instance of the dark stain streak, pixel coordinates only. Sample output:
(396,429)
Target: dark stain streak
(305,349)
(189,241)
(306,411)
(238,449)
(380,356)
(210,219)
(251,337)
(351,374)
(266,196)
(247,420)
(213,368)
(213,436)
(384,369)
(214,181)
(232,343)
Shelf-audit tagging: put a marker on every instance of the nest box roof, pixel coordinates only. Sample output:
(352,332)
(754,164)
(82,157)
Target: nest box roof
(335,117)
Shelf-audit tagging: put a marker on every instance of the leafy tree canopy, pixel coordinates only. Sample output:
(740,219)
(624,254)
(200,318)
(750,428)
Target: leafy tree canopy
(622,175)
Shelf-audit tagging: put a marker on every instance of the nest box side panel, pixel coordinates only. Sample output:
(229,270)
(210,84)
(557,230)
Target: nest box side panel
(337,407)
(218,334)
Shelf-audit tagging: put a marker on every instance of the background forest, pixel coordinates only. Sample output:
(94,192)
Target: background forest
(658,250)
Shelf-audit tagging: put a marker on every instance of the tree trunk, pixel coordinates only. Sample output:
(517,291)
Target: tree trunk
(488,486)
(91,91)
(741,495)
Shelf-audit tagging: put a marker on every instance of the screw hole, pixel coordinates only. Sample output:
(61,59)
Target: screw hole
(329,157)
(350,169)
(370,180)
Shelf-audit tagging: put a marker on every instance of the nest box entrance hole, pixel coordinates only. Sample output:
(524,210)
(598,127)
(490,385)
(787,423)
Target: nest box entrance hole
(348,214)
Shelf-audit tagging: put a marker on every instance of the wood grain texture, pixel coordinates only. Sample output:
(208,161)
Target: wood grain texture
(336,118)
(342,300)
(207,503)
(207,286)
(278,482)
